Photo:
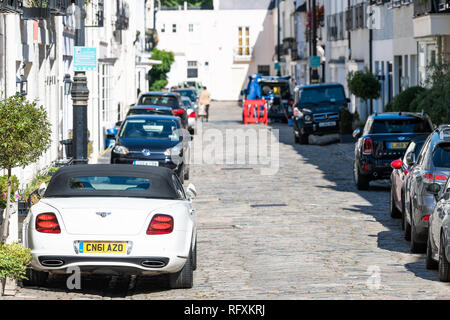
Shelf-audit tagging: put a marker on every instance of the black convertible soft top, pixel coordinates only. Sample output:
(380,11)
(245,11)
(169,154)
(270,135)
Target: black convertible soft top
(161,181)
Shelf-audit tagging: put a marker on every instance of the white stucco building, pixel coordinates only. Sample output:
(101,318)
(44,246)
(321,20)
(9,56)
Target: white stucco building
(219,47)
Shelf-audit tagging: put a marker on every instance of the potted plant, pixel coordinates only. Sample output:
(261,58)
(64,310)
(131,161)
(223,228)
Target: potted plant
(345,125)
(364,85)
(14,260)
(25,135)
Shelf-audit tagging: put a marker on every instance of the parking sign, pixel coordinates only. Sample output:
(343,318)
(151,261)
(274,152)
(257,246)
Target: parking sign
(85,59)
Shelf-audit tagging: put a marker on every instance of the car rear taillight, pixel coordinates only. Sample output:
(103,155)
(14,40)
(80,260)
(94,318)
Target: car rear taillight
(367,146)
(429,177)
(47,223)
(178,111)
(192,114)
(150,109)
(426,218)
(160,224)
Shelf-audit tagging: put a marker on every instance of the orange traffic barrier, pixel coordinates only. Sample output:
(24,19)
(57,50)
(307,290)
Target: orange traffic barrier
(255,111)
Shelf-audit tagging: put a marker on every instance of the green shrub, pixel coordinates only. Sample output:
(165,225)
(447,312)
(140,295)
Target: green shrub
(4,189)
(364,85)
(402,102)
(14,260)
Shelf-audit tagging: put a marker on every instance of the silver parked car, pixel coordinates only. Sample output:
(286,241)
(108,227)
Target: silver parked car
(431,167)
(438,244)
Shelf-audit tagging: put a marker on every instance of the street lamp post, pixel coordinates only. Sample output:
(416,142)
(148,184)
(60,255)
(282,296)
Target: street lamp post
(80,97)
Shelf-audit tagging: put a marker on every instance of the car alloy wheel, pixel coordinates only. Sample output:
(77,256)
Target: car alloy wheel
(416,247)
(444,266)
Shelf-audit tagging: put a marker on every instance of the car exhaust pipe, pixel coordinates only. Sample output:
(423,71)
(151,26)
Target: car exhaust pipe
(52,263)
(153,263)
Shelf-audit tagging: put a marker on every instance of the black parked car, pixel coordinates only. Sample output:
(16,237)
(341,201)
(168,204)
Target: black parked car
(430,169)
(385,138)
(168,99)
(153,140)
(317,109)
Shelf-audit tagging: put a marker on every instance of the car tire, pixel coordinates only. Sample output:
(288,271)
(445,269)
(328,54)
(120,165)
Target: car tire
(194,256)
(395,213)
(415,247)
(430,263)
(35,278)
(296,139)
(186,174)
(183,279)
(362,183)
(403,211)
(407,229)
(303,139)
(444,265)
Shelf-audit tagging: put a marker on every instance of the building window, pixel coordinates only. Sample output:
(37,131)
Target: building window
(163,28)
(106,89)
(243,41)
(191,27)
(264,70)
(174,28)
(192,69)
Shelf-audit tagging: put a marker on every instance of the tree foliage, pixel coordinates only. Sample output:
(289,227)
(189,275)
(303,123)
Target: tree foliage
(435,100)
(402,102)
(24,136)
(158,72)
(364,85)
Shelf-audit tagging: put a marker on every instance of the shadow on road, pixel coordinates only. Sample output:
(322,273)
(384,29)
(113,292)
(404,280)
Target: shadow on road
(341,178)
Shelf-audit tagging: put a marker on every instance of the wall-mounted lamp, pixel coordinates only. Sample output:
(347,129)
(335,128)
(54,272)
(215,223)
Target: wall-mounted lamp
(67,84)
(21,85)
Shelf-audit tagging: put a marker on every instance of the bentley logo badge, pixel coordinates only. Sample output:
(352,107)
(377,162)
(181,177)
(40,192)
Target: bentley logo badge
(103,214)
(146,152)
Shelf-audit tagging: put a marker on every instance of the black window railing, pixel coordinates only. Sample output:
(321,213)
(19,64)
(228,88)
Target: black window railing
(424,7)
(11,6)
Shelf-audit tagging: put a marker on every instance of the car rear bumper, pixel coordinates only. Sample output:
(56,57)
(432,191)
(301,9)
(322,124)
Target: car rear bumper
(151,265)
(375,168)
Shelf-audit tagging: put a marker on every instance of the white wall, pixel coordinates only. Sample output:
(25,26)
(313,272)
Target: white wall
(214,42)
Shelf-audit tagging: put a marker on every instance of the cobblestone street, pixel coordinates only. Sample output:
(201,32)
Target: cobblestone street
(304,233)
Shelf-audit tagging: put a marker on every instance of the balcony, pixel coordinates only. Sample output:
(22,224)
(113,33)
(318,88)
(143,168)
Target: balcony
(59,7)
(243,54)
(431,18)
(424,7)
(11,6)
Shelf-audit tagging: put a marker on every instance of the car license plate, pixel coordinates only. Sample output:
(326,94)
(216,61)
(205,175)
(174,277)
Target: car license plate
(327,124)
(102,247)
(146,163)
(398,145)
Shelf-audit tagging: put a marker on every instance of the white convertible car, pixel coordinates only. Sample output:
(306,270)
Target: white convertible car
(113,219)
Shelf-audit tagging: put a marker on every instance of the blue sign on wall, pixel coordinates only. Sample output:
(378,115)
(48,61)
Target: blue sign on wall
(84,59)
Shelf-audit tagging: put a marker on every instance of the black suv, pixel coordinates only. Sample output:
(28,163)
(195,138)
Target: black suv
(385,138)
(317,110)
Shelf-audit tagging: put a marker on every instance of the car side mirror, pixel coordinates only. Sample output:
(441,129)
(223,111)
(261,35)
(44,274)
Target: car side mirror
(410,159)
(357,133)
(434,188)
(397,164)
(191,192)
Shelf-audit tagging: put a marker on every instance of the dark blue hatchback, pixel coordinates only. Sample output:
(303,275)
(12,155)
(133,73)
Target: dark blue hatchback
(153,140)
